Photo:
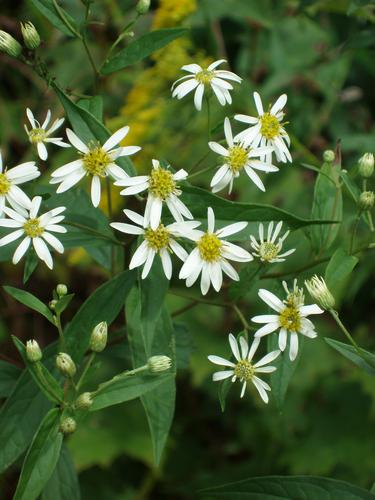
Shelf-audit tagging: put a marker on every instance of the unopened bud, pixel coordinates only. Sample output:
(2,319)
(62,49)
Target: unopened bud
(143,6)
(52,304)
(9,45)
(329,156)
(30,35)
(33,351)
(99,335)
(366,165)
(68,425)
(318,290)
(366,200)
(84,401)
(65,364)
(159,363)
(61,290)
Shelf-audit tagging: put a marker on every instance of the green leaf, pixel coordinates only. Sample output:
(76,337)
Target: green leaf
(8,377)
(287,488)
(63,484)
(339,268)
(30,301)
(41,458)
(63,303)
(141,48)
(327,205)
(31,263)
(94,105)
(364,359)
(42,376)
(47,8)
(199,199)
(127,388)
(103,305)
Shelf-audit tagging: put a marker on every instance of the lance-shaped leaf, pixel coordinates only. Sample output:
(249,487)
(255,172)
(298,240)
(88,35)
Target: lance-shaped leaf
(29,300)
(339,268)
(362,358)
(58,17)
(9,375)
(63,484)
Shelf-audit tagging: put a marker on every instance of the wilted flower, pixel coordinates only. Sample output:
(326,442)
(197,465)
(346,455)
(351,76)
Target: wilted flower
(268,250)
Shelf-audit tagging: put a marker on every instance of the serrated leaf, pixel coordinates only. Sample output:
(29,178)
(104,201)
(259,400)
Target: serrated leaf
(29,300)
(127,388)
(287,488)
(9,375)
(48,10)
(363,359)
(141,48)
(41,458)
(63,484)
(339,268)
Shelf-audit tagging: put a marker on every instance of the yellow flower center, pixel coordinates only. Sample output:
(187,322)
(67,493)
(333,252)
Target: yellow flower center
(158,238)
(237,158)
(4,184)
(268,251)
(290,318)
(33,228)
(37,135)
(270,126)
(161,183)
(209,247)
(205,76)
(244,370)
(96,161)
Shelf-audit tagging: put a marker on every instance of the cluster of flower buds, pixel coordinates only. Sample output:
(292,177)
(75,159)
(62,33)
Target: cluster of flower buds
(10,46)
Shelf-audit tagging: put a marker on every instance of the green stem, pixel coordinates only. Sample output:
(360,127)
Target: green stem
(64,19)
(121,36)
(201,172)
(370,221)
(110,215)
(242,318)
(61,333)
(93,231)
(85,370)
(121,375)
(208,118)
(335,316)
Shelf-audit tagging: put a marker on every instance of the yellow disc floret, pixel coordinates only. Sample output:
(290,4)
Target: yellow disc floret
(290,318)
(157,238)
(161,183)
(244,370)
(209,247)
(270,126)
(237,158)
(33,228)
(96,161)
(4,184)
(268,251)
(37,135)
(204,76)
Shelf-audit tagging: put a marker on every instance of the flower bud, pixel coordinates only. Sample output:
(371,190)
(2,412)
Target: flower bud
(159,363)
(30,35)
(366,200)
(99,336)
(84,401)
(52,304)
(68,425)
(9,45)
(318,290)
(143,7)
(61,290)
(33,352)
(65,364)
(366,165)
(329,156)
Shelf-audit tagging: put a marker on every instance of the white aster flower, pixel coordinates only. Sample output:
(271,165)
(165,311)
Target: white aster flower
(201,79)
(268,250)
(161,240)
(35,229)
(9,180)
(238,157)
(243,368)
(97,161)
(162,187)
(291,317)
(267,129)
(211,254)
(39,135)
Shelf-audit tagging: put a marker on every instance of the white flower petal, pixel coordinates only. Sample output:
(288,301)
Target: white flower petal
(234,347)
(95,190)
(222,375)
(115,138)
(271,300)
(267,329)
(218,360)
(293,347)
(21,250)
(76,141)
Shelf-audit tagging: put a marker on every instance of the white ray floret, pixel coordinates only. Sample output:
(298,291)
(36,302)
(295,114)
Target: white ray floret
(237,157)
(35,229)
(268,249)
(162,187)
(39,135)
(242,368)
(98,161)
(267,129)
(291,317)
(9,181)
(160,241)
(211,254)
(202,80)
